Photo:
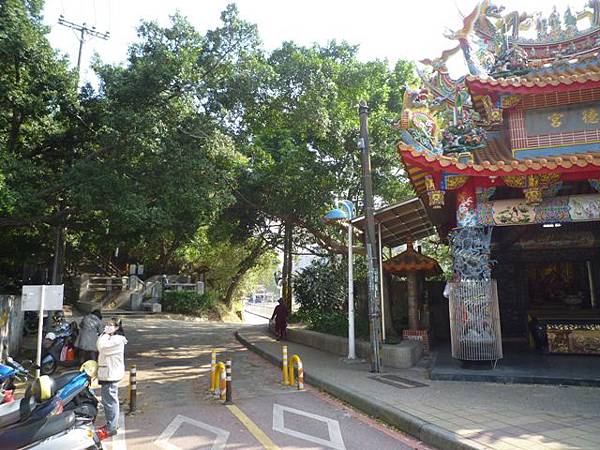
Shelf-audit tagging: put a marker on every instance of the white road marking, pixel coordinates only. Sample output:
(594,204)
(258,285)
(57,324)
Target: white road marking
(163,439)
(335,435)
(118,440)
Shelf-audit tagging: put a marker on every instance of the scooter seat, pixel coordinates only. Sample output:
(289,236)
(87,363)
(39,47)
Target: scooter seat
(64,378)
(19,435)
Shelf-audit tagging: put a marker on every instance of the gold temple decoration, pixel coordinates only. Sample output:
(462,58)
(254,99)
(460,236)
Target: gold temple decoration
(547,179)
(494,115)
(533,192)
(508,101)
(515,181)
(456,182)
(435,196)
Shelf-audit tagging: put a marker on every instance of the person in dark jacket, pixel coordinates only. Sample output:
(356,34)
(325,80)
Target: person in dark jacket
(91,327)
(280,315)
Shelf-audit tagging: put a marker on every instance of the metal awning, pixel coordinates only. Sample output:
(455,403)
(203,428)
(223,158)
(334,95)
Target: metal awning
(400,222)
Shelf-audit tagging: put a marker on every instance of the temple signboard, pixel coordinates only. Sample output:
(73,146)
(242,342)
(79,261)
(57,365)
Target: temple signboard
(570,118)
(575,208)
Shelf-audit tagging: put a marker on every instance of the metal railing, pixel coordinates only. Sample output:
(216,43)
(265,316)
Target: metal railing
(261,309)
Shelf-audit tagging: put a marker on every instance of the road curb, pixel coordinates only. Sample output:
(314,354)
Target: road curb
(426,432)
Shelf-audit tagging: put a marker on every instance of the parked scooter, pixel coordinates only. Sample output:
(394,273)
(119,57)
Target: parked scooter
(53,414)
(48,397)
(64,431)
(10,372)
(53,345)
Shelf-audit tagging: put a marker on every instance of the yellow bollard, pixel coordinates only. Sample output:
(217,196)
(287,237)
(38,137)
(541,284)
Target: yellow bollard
(284,369)
(296,359)
(213,370)
(220,374)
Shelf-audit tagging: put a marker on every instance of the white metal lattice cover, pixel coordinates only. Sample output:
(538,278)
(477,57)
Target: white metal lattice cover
(475,321)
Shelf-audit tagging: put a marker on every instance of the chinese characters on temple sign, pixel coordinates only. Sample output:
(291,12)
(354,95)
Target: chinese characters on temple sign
(590,116)
(555,119)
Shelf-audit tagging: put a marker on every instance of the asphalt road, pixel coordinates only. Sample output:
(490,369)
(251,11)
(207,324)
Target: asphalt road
(175,410)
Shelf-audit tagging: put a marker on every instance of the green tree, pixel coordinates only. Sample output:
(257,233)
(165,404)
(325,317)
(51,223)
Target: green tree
(38,104)
(300,139)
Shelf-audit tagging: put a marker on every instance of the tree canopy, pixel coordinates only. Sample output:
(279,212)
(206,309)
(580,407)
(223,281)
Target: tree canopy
(197,149)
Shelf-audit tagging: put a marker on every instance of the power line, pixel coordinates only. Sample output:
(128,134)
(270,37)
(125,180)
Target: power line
(83,30)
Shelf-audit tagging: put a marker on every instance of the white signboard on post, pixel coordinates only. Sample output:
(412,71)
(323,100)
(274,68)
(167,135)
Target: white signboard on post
(53,297)
(41,298)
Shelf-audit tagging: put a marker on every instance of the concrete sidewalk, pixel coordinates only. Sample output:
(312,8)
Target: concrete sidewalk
(449,414)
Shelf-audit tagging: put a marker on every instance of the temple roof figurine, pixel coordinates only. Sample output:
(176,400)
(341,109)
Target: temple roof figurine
(529,106)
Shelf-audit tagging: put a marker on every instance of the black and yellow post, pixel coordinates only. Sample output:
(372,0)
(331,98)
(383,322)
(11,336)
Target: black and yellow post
(228,396)
(132,389)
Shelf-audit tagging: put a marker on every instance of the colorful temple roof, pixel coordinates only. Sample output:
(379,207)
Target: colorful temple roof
(530,106)
(583,75)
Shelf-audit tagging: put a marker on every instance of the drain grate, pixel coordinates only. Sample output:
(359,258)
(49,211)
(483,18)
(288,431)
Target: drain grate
(399,382)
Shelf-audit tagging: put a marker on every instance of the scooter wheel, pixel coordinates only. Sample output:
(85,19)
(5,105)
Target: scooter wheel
(48,367)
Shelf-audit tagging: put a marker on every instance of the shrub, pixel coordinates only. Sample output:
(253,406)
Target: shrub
(331,322)
(322,286)
(321,289)
(187,302)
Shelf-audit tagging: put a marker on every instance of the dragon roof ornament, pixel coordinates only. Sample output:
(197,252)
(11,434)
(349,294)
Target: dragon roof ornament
(495,46)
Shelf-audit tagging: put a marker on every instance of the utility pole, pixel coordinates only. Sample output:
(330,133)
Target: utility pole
(83,30)
(372,266)
(59,247)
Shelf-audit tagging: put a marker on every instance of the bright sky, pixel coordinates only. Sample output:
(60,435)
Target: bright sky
(409,29)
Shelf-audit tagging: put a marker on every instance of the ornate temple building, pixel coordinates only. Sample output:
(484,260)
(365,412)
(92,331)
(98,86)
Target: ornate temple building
(507,162)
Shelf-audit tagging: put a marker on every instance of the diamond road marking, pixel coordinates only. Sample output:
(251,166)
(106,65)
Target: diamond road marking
(163,439)
(333,426)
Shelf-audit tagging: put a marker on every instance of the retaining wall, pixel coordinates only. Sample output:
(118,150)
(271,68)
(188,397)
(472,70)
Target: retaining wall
(401,356)
(11,325)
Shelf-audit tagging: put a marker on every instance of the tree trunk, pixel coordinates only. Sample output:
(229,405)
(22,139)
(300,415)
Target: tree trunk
(413,301)
(287,265)
(59,254)
(246,264)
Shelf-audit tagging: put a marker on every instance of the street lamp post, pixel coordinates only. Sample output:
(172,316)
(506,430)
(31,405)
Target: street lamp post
(347,214)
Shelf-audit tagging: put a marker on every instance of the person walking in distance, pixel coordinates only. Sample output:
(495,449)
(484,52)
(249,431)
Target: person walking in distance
(91,326)
(111,369)
(280,315)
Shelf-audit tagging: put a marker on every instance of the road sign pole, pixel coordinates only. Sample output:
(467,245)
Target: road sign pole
(38,358)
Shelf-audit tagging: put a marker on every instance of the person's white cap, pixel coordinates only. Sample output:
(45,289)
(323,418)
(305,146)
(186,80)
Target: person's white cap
(110,329)
(51,336)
